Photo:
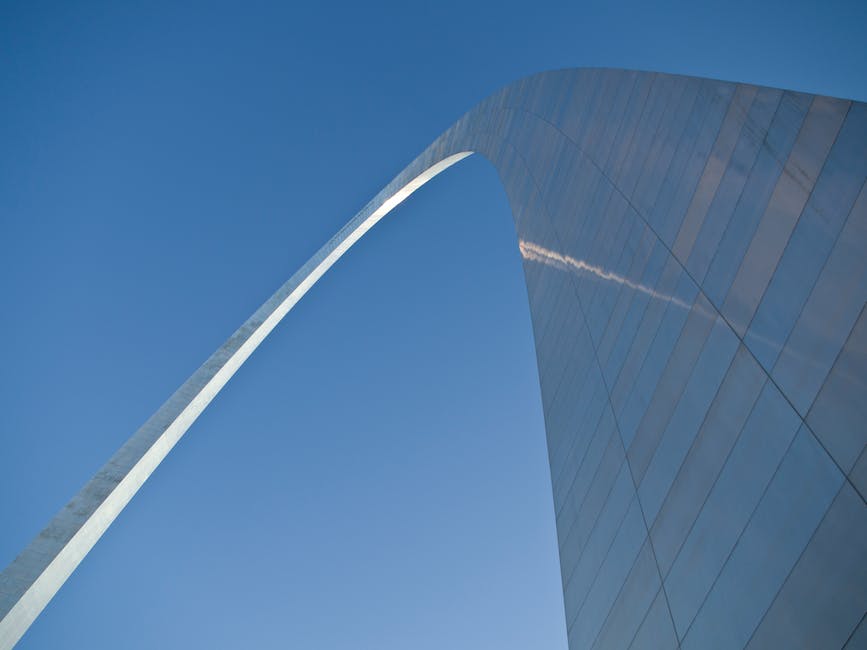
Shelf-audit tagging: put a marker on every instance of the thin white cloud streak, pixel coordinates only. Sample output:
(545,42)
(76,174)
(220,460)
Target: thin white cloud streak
(536,253)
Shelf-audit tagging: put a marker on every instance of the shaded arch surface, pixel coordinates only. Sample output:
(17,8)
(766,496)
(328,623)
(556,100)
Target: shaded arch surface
(695,254)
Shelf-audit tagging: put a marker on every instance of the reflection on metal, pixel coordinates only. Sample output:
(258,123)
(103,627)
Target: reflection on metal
(708,463)
(535,253)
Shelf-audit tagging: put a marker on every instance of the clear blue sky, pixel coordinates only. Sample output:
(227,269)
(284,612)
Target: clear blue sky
(376,475)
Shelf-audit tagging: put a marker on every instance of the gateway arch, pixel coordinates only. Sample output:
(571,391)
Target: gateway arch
(695,254)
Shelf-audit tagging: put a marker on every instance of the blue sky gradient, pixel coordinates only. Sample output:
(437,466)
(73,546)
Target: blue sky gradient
(376,475)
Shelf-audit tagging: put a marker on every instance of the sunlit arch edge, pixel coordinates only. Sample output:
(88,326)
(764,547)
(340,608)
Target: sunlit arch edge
(42,568)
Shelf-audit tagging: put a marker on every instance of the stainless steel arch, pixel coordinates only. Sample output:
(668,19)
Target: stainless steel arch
(694,256)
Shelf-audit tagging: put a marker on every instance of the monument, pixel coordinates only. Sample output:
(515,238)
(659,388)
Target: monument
(695,253)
